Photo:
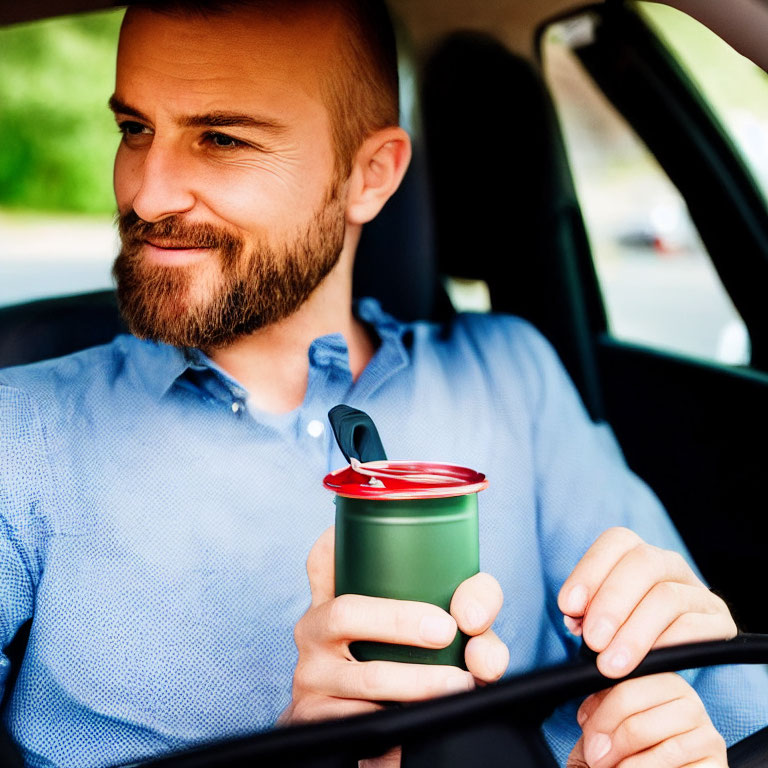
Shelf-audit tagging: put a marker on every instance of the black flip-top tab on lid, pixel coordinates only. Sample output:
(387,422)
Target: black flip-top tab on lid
(356,434)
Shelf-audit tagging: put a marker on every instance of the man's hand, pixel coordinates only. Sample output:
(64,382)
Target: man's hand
(329,682)
(628,597)
(651,722)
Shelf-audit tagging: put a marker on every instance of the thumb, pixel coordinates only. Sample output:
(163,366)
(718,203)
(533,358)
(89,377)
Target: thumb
(320,568)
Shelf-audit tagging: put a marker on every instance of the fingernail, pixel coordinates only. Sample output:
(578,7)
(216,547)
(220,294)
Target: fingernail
(475,615)
(437,630)
(602,634)
(616,659)
(581,717)
(576,602)
(459,683)
(573,625)
(497,659)
(597,746)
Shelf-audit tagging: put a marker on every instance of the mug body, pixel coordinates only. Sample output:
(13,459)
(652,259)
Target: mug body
(408,543)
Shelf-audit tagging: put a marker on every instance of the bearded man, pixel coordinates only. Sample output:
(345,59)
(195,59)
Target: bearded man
(159,495)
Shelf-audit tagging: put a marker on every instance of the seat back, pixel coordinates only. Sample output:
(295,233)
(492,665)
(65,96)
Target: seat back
(505,207)
(39,330)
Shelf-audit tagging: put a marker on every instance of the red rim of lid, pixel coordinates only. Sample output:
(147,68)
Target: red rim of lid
(459,481)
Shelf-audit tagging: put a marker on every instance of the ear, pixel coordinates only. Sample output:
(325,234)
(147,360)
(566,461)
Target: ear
(378,169)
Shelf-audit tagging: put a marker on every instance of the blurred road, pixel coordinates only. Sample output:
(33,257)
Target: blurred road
(52,256)
(674,302)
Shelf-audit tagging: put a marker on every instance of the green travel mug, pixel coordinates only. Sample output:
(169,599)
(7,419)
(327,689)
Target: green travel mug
(406,530)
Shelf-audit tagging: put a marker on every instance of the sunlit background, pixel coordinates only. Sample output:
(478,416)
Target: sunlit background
(57,143)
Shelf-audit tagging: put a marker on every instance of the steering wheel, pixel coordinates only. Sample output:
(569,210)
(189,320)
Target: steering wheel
(494,726)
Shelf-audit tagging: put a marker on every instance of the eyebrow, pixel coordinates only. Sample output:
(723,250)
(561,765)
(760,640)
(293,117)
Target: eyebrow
(208,120)
(118,106)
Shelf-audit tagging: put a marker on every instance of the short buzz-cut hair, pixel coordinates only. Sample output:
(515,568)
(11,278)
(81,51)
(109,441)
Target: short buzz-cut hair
(362,92)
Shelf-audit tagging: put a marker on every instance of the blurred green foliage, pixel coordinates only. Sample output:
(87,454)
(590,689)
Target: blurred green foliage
(57,137)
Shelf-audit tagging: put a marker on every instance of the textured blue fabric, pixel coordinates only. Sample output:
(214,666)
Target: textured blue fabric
(157,527)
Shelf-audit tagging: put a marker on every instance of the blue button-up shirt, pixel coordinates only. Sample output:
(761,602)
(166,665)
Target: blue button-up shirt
(155,525)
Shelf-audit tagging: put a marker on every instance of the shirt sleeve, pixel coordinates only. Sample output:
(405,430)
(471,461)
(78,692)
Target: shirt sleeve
(22,480)
(585,487)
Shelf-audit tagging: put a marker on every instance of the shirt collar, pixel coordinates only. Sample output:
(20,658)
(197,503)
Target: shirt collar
(160,366)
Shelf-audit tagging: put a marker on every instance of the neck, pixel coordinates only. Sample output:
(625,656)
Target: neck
(272,363)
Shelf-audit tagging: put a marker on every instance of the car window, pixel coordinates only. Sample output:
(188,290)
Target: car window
(58,140)
(659,286)
(734,87)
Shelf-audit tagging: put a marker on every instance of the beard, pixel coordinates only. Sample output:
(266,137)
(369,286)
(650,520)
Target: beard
(234,291)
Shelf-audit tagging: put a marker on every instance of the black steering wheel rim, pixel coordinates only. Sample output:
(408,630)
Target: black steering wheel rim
(526,698)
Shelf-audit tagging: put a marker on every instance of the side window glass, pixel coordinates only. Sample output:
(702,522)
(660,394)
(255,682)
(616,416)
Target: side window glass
(735,88)
(659,285)
(57,144)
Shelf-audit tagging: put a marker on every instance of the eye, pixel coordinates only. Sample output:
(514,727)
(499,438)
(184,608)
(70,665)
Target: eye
(135,135)
(222,141)
(131,128)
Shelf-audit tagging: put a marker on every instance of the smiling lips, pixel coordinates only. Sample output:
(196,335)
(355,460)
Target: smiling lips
(168,252)
(170,246)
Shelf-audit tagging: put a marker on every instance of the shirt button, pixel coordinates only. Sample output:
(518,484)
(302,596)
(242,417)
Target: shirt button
(236,407)
(315,428)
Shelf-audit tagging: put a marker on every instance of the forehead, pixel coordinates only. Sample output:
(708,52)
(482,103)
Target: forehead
(233,55)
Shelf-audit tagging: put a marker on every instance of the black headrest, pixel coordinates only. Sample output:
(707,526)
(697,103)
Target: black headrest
(396,258)
(491,136)
(505,208)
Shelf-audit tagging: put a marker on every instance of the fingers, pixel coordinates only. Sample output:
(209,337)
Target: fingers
(702,747)
(329,682)
(606,709)
(381,680)
(613,599)
(320,567)
(487,657)
(652,721)
(476,603)
(591,570)
(576,758)
(670,613)
(718,626)
(389,760)
(625,595)
(616,571)
(311,709)
(681,749)
(359,617)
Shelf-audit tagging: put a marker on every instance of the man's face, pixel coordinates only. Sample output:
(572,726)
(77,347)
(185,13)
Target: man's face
(229,209)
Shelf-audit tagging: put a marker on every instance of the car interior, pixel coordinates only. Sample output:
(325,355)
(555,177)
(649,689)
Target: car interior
(503,209)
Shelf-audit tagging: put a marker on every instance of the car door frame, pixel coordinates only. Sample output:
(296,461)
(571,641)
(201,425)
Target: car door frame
(692,429)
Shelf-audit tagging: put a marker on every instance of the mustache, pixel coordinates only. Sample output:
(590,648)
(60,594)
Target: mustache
(134,231)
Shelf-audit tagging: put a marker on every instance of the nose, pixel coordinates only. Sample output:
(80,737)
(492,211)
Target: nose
(165,187)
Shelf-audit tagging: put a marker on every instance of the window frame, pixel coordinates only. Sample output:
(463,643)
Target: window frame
(642,79)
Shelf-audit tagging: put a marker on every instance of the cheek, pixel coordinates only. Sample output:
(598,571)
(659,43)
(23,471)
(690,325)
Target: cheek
(259,204)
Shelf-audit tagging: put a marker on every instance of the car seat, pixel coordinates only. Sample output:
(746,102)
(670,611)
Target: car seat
(505,207)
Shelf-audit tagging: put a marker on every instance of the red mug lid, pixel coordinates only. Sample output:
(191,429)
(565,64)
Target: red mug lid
(404,480)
